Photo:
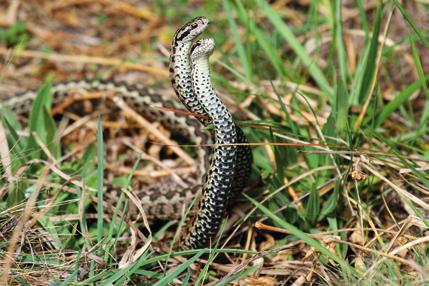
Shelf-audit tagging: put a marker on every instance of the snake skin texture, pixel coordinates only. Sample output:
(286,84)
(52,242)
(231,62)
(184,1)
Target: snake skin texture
(181,79)
(164,201)
(217,190)
(180,65)
(218,178)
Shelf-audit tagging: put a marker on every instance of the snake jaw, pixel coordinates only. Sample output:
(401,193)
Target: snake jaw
(191,30)
(202,48)
(180,66)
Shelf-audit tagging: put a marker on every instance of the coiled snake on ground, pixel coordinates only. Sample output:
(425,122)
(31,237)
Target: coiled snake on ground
(221,172)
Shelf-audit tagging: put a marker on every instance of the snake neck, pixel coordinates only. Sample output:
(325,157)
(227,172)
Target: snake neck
(224,126)
(180,75)
(180,70)
(217,191)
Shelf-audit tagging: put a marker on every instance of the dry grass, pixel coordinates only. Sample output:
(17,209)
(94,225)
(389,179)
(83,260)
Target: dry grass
(341,184)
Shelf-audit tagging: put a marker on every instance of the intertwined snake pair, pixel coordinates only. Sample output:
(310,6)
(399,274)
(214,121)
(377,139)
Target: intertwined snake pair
(222,172)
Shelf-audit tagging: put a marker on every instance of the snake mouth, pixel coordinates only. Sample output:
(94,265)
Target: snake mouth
(204,47)
(192,29)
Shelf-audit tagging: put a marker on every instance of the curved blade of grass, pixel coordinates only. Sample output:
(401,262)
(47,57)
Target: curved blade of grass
(411,22)
(290,38)
(370,65)
(303,236)
(421,74)
(363,18)
(173,274)
(212,255)
(36,122)
(163,257)
(51,134)
(114,224)
(233,71)
(73,275)
(22,280)
(268,49)
(270,52)
(312,207)
(43,99)
(339,41)
(398,100)
(18,143)
(100,178)
(238,44)
(8,115)
(357,78)
(331,203)
(419,66)
(341,107)
(238,276)
(185,280)
(118,274)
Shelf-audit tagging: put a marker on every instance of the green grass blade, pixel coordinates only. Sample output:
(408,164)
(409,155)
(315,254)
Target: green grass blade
(363,18)
(174,273)
(17,143)
(163,257)
(212,255)
(358,78)
(411,22)
(238,44)
(238,276)
(399,100)
(73,275)
(339,41)
(332,203)
(10,117)
(371,60)
(187,277)
(290,38)
(419,67)
(233,71)
(22,281)
(43,99)
(341,107)
(37,117)
(117,276)
(51,134)
(422,80)
(270,52)
(303,236)
(114,224)
(312,207)
(100,180)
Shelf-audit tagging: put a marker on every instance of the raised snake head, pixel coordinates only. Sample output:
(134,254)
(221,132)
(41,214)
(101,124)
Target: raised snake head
(188,32)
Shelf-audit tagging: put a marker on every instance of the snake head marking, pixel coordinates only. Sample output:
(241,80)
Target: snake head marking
(191,30)
(202,48)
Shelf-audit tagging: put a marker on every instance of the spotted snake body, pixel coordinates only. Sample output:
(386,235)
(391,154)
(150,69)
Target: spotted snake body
(219,178)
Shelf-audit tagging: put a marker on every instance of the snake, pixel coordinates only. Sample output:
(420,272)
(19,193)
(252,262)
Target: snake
(223,170)
(181,79)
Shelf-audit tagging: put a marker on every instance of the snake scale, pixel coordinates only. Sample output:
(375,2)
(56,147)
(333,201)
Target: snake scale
(222,171)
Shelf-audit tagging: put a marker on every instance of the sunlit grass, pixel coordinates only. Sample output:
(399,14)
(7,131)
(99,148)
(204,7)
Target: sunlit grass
(340,168)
